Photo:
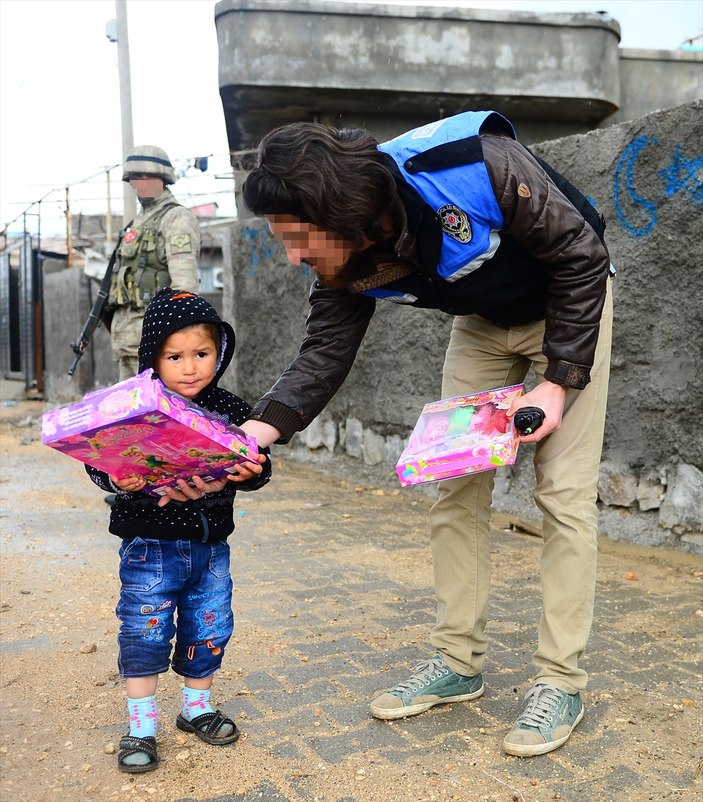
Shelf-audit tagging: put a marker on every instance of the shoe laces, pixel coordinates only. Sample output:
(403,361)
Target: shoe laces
(425,674)
(542,702)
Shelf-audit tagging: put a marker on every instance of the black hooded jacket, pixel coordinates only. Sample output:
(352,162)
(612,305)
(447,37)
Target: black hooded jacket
(210,518)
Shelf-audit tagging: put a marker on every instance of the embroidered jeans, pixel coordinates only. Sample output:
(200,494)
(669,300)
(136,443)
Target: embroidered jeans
(158,578)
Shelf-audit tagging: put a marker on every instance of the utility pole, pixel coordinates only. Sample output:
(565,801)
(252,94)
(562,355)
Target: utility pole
(69,229)
(118,33)
(108,216)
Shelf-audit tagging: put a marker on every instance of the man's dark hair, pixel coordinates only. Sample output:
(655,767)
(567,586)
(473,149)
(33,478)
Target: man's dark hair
(334,178)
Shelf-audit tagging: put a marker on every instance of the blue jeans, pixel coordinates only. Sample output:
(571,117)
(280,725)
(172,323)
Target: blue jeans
(159,577)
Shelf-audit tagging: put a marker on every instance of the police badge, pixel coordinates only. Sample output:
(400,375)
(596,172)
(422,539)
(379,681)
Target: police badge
(455,222)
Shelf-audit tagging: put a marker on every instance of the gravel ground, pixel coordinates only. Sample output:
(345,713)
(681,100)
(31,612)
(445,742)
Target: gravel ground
(333,599)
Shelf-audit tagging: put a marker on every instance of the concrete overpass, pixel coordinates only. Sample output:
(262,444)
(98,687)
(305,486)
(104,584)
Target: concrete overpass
(389,68)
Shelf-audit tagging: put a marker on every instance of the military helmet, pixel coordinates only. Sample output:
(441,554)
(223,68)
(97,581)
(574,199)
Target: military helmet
(149,160)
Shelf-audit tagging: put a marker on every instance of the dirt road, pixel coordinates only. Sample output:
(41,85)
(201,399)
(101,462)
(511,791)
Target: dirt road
(333,600)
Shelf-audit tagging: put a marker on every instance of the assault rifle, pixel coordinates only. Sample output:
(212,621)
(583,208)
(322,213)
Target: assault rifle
(97,313)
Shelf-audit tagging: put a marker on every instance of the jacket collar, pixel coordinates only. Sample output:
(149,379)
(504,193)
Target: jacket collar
(420,237)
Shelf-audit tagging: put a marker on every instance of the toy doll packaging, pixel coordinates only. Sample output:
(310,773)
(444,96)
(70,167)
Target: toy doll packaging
(462,435)
(138,427)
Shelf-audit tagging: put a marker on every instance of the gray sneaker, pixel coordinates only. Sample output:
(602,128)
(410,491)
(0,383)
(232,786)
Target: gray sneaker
(433,683)
(546,722)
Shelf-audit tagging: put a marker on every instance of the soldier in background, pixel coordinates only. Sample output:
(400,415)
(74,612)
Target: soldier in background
(159,249)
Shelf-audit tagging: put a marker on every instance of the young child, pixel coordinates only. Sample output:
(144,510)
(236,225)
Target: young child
(174,554)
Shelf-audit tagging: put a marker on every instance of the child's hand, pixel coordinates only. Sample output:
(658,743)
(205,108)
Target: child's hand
(131,484)
(185,492)
(247,470)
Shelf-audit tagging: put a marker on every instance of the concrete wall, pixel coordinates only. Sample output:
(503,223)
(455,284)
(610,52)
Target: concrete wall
(68,299)
(645,176)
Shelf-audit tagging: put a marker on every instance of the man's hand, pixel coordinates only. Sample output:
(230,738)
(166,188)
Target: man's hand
(264,433)
(244,471)
(549,397)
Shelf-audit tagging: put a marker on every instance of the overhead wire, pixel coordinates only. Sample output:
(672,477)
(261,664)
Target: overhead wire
(183,165)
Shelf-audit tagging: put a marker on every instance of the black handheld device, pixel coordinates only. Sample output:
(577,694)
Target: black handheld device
(528,419)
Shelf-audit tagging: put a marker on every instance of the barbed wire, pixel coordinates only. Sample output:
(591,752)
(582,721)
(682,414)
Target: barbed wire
(186,170)
(95,200)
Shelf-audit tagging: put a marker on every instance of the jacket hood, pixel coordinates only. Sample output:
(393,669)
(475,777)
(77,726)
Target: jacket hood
(171,310)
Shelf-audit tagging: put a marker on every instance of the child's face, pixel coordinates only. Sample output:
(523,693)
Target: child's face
(187,361)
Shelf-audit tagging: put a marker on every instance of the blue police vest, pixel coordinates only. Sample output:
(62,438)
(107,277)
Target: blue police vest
(443,162)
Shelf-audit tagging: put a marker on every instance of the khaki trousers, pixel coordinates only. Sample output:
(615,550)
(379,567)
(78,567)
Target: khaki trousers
(481,356)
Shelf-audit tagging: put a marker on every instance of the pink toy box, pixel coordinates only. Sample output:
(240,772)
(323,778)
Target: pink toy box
(138,427)
(462,435)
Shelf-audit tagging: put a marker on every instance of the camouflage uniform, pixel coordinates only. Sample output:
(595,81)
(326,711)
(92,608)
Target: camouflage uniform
(159,249)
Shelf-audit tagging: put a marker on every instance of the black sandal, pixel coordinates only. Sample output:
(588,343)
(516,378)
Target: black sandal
(206,727)
(131,745)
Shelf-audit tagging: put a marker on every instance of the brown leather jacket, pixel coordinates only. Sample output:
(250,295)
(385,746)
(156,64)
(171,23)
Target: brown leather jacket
(551,265)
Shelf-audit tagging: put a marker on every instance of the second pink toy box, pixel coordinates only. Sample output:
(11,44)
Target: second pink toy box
(459,436)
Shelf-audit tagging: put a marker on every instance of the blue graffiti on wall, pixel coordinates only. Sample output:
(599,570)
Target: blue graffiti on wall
(262,247)
(681,174)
